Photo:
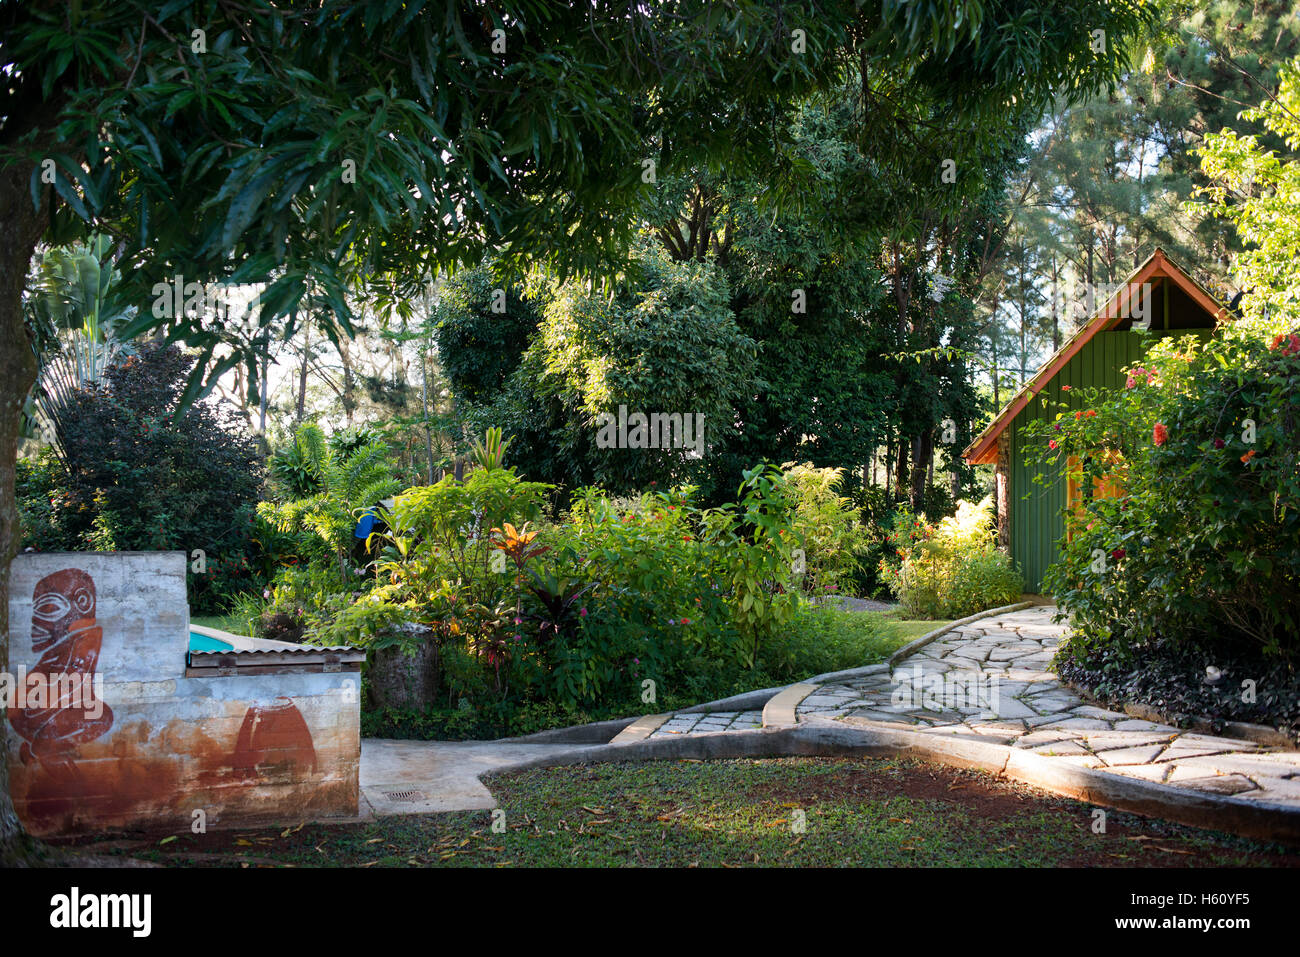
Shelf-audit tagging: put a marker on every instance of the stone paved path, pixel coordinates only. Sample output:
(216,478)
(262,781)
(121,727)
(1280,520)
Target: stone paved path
(709,721)
(991,681)
(1010,656)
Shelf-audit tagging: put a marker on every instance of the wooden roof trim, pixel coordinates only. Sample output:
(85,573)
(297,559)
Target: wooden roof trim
(983,450)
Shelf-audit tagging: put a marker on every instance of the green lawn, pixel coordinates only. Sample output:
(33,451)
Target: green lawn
(231,623)
(903,629)
(856,812)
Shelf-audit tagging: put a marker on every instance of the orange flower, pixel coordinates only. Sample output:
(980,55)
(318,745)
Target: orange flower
(1160,435)
(1248,456)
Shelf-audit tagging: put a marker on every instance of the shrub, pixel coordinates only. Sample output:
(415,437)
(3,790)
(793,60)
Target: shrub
(950,569)
(833,540)
(137,477)
(344,482)
(1204,544)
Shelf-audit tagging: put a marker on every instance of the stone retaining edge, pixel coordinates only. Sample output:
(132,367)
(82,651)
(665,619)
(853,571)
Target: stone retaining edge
(1257,733)
(827,738)
(598,732)
(913,646)
(745,701)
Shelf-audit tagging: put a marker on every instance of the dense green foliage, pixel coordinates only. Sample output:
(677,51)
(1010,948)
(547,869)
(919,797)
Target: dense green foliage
(1259,192)
(615,607)
(133,477)
(1205,542)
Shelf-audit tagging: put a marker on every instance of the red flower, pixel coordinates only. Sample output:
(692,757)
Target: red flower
(1052,444)
(1160,435)
(1218,443)
(1117,554)
(1065,388)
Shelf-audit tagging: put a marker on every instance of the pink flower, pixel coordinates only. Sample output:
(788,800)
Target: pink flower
(582,612)
(1130,382)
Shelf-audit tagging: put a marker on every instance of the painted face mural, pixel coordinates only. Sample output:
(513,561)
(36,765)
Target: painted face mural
(67,638)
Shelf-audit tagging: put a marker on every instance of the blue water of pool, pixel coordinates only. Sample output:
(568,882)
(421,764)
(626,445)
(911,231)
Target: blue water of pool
(204,643)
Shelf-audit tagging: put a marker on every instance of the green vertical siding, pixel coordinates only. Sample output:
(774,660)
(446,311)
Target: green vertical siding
(1037,511)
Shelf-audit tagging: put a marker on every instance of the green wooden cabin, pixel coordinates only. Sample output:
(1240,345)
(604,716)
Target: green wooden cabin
(1157,299)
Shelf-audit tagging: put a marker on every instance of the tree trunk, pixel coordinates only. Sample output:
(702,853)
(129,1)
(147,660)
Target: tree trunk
(349,395)
(922,453)
(21,226)
(900,477)
(424,381)
(266,388)
(302,377)
(889,467)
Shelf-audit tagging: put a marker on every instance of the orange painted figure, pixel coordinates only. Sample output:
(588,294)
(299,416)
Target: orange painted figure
(274,739)
(66,637)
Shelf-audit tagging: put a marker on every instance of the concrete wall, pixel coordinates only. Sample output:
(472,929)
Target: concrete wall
(160,746)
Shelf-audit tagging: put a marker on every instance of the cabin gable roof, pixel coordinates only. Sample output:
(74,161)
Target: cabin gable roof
(1116,311)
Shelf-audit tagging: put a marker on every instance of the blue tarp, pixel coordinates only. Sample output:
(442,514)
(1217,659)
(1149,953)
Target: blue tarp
(366,525)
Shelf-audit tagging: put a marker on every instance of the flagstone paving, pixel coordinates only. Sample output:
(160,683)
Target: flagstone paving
(709,721)
(992,681)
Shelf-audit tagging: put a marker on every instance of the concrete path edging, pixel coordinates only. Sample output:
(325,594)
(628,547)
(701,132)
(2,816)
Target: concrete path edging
(913,646)
(780,711)
(641,728)
(746,701)
(598,732)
